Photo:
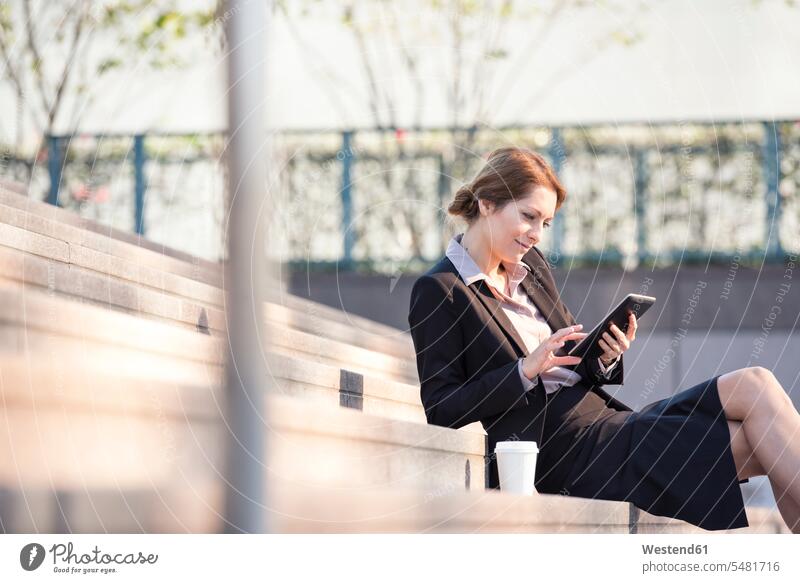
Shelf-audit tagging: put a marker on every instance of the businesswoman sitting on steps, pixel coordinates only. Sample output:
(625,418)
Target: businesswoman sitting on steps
(488,326)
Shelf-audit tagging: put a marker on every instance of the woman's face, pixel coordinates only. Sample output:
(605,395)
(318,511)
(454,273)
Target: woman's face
(519,225)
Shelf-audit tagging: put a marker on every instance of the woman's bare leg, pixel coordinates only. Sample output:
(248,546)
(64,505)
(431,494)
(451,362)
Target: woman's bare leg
(771,425)
(748,466)
(789,509)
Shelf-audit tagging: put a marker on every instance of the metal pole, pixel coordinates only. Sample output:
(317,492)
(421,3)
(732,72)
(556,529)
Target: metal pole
(772,173)
(443,191)
(640,182)
(245,269)
(557,153)
(348,231)
(139,184)
(54,167)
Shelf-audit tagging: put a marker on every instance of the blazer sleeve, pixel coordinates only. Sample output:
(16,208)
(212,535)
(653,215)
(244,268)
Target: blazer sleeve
(449,396)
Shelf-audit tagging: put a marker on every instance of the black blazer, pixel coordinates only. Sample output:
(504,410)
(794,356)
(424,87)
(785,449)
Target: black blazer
(467,352)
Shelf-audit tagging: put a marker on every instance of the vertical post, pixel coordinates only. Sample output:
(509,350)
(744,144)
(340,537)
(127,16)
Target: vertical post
(640,181)
(772,174)
(55,165)
(139,183)
(245,270)
(443,191)
(557,153)
(348,232)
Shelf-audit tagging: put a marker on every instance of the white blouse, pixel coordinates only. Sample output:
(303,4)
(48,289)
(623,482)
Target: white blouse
(522,312)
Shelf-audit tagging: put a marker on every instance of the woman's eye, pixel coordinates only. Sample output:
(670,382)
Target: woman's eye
(531,217)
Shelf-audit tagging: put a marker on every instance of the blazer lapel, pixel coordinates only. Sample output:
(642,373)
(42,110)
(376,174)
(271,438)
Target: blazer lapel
(532,285)
(492,304)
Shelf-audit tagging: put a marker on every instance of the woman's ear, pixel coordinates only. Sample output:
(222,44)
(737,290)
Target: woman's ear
(485,207)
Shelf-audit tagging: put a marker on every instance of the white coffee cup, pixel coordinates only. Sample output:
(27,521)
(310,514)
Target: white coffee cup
(516,466)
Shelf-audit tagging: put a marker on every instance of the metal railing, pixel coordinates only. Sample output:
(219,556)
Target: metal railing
(371,199)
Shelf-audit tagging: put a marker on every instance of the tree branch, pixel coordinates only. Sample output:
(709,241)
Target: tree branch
(68,65)
(38,63)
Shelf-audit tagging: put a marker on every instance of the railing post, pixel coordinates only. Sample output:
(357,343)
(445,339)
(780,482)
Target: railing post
(772,174)
(557,153)
(443,192)
(640,182)
(348,230)
(139,182)
(55,167)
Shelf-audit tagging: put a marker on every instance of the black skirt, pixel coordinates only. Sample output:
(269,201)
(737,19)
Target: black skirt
(673,458)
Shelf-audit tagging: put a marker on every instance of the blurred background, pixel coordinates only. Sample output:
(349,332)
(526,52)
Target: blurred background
(674,126)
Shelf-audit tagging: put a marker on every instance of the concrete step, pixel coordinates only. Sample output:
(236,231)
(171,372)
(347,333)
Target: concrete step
(16,195)
(19,210)
(361,360)
(315,318)
(60,277)
(73,269)
(304,509)
(44,218)
(36,216)
(33,322)
(88,286)
(69,428)
(371,328)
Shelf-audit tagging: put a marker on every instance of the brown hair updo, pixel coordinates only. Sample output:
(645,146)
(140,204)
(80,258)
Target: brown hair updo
(508,175)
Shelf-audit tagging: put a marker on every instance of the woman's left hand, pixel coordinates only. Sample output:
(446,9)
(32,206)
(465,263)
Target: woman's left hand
(619,343)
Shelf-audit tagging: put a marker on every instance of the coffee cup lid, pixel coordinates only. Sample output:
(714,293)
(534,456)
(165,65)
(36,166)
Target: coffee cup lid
(516,446)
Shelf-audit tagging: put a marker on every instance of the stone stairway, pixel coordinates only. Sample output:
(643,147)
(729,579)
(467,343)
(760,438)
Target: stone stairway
(111,376)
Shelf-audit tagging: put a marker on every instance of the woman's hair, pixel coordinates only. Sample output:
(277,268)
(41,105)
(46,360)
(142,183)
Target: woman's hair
(508,175)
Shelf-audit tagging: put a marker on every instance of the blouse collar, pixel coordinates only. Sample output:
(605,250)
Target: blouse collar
(470,272)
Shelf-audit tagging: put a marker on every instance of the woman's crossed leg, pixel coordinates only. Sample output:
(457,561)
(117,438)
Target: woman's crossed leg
(765,434)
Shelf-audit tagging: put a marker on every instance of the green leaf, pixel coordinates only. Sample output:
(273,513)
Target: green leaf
(108,65)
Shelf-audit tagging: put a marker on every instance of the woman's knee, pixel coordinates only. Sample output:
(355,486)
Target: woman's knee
(749,390)
(769,383)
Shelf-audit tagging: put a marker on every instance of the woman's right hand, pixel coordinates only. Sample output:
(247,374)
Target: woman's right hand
(543,358)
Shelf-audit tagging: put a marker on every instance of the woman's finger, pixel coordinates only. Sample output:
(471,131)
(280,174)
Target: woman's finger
(568,330)
(609,352)
(610,341)
(619,334)
(632,326)
(624,342)
(566,360)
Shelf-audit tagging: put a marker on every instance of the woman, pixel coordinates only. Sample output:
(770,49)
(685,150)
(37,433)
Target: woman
(491,332)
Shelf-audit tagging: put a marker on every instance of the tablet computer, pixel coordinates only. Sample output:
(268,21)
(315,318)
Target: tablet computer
(636,303)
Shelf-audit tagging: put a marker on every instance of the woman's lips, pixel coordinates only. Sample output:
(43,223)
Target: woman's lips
(525,247)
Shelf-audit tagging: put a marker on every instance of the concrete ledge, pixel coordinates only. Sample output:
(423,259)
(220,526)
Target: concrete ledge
(102,341)
(762,520)
(55,445)
(48,219)
(27,311)
(303,509)
(315,337)
(313,318)
(52,363)
(324,350)
(47,239)
(36,323)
